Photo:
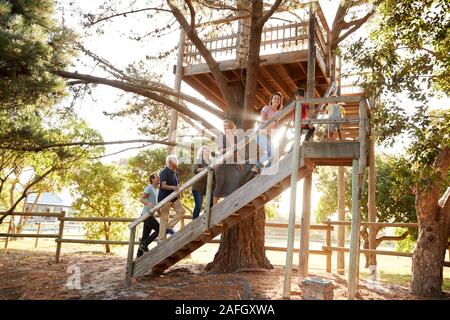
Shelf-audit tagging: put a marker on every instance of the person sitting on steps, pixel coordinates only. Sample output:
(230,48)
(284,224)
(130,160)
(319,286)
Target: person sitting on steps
(149,199)
(169,182)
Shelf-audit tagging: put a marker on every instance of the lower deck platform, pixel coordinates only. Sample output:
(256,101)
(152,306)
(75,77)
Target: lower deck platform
(334,153)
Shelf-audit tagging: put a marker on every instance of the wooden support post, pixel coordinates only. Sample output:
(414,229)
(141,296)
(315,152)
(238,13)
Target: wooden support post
(9,231)
(339,76)
(311,71)
(129,269)
(293,199)
(372,210)
(353,263)
(37,237)
(304,230)
(177,89)
(60,236)
(328,62)
(328,244)
(209,181)
(341,217)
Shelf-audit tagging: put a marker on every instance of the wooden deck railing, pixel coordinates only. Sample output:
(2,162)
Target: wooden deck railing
(287,37)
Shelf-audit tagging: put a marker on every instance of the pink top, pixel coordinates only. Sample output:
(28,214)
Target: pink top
(270,114)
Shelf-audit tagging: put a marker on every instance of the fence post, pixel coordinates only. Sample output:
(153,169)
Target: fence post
(60,235)
(341,217)
(129,271)
(37,235)
(9,231)
(328,244)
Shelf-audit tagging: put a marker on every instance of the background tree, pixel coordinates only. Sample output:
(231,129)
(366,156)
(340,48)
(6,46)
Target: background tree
(408,53)
(99,190)
(395,196)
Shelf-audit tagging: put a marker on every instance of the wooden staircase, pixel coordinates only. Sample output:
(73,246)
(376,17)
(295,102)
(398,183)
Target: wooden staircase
(232,209)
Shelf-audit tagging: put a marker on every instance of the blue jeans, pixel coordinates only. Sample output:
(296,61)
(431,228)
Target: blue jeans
(198,200)
(264,142)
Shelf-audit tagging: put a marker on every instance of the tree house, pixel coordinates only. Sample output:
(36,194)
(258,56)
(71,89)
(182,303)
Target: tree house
(293,55)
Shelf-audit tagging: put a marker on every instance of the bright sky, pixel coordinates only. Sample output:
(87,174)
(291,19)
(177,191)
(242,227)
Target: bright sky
(115,46)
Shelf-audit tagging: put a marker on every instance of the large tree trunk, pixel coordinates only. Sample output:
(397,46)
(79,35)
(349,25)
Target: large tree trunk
(429,253)
(242,246)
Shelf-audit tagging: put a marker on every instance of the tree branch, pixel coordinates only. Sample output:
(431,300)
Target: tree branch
(356,25)
(146,92)
(88,143)
(192,13)
(392,238)
(269,13)
(206,54)
(151,85)
(127,12)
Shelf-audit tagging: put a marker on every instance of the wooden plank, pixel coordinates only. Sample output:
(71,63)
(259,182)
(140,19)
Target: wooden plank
(130,263)
(372,210)
(38,232)
(98,219)
(269,59)
(333,121)
(60,235)
(85,241)
(209,182)
(341,216)
(329,255)
(305,231)
(366,251)
(331,150)
(32,214)
(29,235)
(177,88)
(282,249)
(354,244)
(293,201)
(297,226)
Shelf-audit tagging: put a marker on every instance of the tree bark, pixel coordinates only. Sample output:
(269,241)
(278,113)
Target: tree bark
(107,246)
(429,253)
(242,246)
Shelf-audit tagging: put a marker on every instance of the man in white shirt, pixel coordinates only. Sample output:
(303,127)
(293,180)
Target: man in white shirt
(149,198)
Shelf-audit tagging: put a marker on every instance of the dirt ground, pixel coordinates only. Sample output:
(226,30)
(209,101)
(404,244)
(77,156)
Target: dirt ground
(33,274)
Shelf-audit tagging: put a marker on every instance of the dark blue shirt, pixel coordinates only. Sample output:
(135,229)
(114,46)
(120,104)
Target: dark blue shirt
(171,178)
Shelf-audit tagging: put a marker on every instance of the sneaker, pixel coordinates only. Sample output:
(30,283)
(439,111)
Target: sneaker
(170,231)
(143,248)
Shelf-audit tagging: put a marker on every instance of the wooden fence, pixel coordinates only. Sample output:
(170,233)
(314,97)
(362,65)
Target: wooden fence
(327,227)
(59,237)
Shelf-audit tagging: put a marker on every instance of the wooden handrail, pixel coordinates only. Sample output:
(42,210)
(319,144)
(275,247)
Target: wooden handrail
(282,114)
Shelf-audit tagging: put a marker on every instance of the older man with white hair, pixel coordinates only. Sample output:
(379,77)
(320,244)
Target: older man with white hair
(169,180)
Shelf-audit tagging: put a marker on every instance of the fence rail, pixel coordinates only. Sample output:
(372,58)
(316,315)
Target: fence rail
(327,226)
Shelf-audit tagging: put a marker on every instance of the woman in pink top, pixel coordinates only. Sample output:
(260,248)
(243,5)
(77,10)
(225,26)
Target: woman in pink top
(264,139)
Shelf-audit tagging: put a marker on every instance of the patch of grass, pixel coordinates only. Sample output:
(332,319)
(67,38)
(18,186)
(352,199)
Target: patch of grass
(401,279)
